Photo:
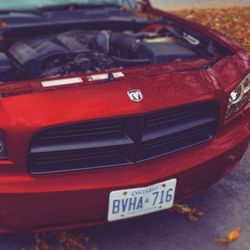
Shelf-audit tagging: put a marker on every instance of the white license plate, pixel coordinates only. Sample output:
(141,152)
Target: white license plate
(130,203)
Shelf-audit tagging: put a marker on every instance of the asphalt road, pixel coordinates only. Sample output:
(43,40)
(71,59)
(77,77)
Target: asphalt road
(226,205)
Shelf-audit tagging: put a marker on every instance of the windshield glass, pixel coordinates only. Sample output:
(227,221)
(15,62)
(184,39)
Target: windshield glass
(17,4)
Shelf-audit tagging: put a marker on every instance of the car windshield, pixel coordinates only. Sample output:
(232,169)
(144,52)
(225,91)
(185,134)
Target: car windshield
(17,4)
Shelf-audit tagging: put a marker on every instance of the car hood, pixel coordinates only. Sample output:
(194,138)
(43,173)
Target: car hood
(32,111)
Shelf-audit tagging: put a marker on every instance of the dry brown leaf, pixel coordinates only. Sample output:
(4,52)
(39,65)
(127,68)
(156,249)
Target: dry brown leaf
(193,214)
(231,237)
(233,21)
(41,243)
(192,218)
(234,235)
(222,241)
(248,229)
(72,242)
(66,241)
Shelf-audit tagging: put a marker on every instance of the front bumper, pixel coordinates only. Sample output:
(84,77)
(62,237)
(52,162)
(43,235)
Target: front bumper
(80,199)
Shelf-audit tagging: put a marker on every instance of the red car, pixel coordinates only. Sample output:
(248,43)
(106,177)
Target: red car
(112,110)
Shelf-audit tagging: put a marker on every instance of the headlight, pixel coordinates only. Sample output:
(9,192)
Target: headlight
(239,97)
(3,148)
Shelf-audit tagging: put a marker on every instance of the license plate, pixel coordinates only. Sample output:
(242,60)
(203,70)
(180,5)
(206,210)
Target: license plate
(130,203)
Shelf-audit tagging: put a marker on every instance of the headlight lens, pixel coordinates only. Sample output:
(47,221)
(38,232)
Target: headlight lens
(239,97)
(3,148)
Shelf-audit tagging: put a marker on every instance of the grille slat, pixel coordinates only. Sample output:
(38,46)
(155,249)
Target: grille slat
(117,142)
(77,133)
(177,128)
(82,130)
(172,139)
(171,117)
(76,158)
(63,146)
(164,120)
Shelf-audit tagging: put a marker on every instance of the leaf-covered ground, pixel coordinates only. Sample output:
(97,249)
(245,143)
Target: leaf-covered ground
(232,21)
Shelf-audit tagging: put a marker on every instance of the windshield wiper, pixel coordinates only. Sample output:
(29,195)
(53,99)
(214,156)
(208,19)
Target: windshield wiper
(75,6)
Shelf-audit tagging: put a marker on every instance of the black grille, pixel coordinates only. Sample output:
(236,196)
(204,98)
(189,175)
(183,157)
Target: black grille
(116,142)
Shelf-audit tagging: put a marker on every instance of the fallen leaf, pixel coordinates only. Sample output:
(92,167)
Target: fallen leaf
(66,241)
(234,235)
(41,243)
(193,214)
(192,218)
(222,241)
(70,241)
(248,229)
(232,21)
(231,237)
